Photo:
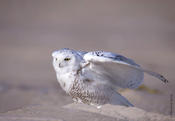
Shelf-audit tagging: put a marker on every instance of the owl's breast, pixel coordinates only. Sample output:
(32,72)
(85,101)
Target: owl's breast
(83,91)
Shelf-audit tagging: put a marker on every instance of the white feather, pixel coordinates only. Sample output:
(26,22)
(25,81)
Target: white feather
(120,71)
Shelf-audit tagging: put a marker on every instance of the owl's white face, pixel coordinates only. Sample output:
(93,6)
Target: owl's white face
(65,61)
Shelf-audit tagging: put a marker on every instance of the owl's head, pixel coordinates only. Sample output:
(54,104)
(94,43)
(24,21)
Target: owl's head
(66,60)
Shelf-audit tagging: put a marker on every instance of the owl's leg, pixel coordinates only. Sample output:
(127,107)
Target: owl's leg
(99,106)
(75,101)
(95,105)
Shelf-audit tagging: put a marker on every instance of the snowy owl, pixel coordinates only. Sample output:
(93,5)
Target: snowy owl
(94,77)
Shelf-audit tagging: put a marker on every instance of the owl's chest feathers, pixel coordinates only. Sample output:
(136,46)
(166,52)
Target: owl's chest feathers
(83,90)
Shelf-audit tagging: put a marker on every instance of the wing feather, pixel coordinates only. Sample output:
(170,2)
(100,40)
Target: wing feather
(117,69)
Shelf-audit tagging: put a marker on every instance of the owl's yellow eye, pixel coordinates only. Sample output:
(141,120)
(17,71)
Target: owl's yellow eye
(67,59)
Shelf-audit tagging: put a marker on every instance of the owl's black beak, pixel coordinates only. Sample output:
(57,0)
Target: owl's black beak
(60,66)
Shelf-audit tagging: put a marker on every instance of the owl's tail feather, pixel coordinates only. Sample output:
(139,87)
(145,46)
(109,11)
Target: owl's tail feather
(117,99)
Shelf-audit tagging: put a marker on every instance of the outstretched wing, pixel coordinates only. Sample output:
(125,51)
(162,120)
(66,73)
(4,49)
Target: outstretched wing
(116,69)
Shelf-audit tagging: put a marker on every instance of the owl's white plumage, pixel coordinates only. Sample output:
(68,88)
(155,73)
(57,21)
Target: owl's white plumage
(94,77)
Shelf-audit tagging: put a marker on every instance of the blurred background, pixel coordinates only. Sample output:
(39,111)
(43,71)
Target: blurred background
(30,30)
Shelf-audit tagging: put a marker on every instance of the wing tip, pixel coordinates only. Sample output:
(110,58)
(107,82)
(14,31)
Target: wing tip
(157,75)
(163,79)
